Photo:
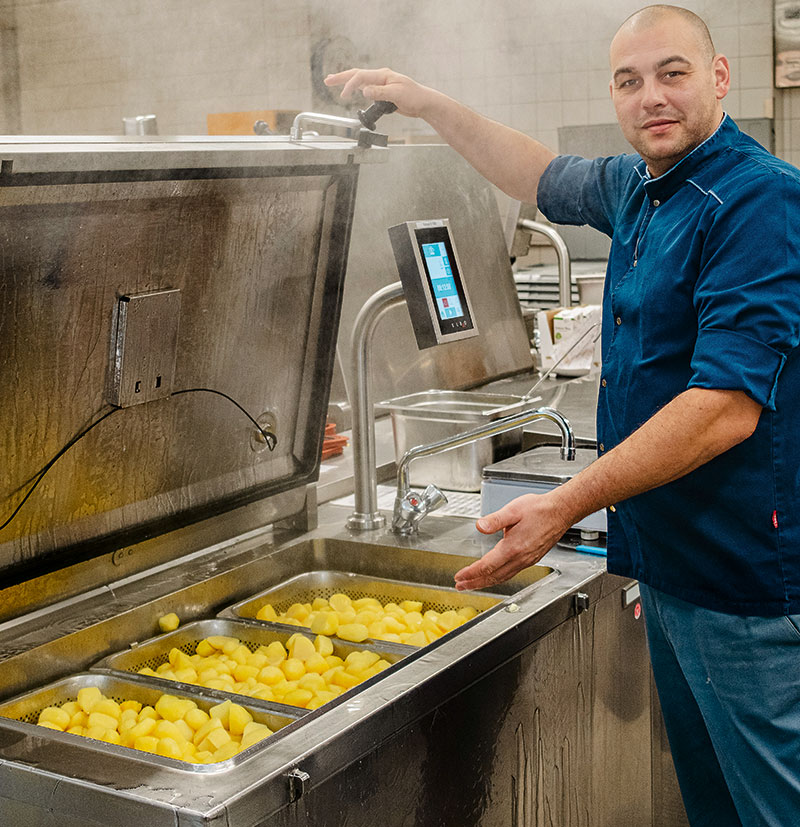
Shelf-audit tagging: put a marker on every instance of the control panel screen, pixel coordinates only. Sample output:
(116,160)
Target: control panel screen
(440,271)
(444,280)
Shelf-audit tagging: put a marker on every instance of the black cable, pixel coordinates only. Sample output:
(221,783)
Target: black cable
(269,438)
(40,476)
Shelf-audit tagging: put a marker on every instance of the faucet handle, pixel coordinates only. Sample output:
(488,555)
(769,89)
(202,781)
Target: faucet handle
(413,506)
(433,498)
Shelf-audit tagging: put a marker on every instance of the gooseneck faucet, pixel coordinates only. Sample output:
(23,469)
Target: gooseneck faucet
(410,507)
(366,516)
(562,254)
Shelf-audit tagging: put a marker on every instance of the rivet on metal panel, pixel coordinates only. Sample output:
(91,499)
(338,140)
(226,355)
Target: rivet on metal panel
(581,602)
(298,783)
(121,555)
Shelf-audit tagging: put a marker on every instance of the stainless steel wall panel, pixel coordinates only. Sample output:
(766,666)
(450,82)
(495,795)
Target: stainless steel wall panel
(428,182)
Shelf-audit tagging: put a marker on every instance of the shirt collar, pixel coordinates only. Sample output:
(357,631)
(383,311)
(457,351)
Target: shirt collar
(665,185)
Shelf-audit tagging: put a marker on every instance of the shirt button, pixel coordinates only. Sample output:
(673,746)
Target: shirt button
(603,382)
(611,508)
(656,203)
(619,320)
(601,447)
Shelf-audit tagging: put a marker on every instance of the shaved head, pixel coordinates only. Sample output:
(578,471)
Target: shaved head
(667,83)
(650,16)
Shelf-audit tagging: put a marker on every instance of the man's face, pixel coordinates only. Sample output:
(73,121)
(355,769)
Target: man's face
(666,90)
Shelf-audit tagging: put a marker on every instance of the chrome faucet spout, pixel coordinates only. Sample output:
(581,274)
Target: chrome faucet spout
(408,514)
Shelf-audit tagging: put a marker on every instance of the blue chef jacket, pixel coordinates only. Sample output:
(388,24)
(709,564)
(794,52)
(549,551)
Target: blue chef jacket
(702,290)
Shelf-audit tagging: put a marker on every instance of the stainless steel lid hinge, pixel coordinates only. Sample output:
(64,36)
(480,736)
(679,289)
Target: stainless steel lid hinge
(298,781)
(580,602)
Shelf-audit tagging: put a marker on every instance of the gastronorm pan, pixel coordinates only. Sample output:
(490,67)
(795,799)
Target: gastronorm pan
(25,709)
(304,588)
(154,652)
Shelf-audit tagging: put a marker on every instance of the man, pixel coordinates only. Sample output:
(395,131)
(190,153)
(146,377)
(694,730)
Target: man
(698,415)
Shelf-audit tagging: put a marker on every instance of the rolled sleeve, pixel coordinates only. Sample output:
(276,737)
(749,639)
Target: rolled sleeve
(747,295)
(724,360)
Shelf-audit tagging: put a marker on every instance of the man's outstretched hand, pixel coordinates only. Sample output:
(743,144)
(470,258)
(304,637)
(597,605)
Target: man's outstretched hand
(531,526)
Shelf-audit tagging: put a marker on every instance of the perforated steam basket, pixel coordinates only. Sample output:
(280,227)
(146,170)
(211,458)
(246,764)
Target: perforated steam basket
(304,588)
(25,710)
(155,652)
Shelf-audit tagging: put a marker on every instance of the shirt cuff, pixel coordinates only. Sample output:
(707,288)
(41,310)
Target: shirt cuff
(724,360)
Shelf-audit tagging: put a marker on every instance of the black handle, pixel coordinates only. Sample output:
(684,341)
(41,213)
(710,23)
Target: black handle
(369,117)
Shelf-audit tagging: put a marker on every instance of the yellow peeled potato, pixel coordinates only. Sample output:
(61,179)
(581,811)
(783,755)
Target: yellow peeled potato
(242,672)
(298,697)
(325,623)
(196,717)
(301,647)
(209,726)
(411,606)
(88,696)
(238,718)
(215,739)
(324,645)
(298,611)
(416,639)
(354,632)
(276,653)
(253,733)
(225,752)
(80,718)
(340,603)
(270,675)
(293,668)
(221,713)
(146,743)
(169,748)
(204,649)
(316,663)
(169,622)
(267,613)
(143,728)
(170,708)
(99,720)
(59,718)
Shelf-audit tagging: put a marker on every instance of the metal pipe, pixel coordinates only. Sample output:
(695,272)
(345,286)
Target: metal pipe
(365,484)
(564,263)
(302,120)
(402,524)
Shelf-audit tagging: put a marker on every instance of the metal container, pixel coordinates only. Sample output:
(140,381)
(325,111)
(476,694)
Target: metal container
(24,711)
(305,587)
(152,653)
(422,418)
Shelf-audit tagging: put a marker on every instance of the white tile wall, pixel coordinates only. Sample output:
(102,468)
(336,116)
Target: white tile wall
(535,64)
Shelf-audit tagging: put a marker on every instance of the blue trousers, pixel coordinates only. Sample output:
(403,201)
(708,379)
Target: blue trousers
(729,687)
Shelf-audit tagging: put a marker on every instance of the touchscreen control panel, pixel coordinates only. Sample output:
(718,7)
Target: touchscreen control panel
(432,281)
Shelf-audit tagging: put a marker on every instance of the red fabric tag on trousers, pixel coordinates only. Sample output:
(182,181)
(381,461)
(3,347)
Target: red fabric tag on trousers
(775,519)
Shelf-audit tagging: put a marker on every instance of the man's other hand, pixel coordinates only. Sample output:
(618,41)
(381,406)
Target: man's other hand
(406,94)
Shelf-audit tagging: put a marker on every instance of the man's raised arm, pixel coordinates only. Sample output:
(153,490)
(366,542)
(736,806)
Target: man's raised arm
(512,161)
